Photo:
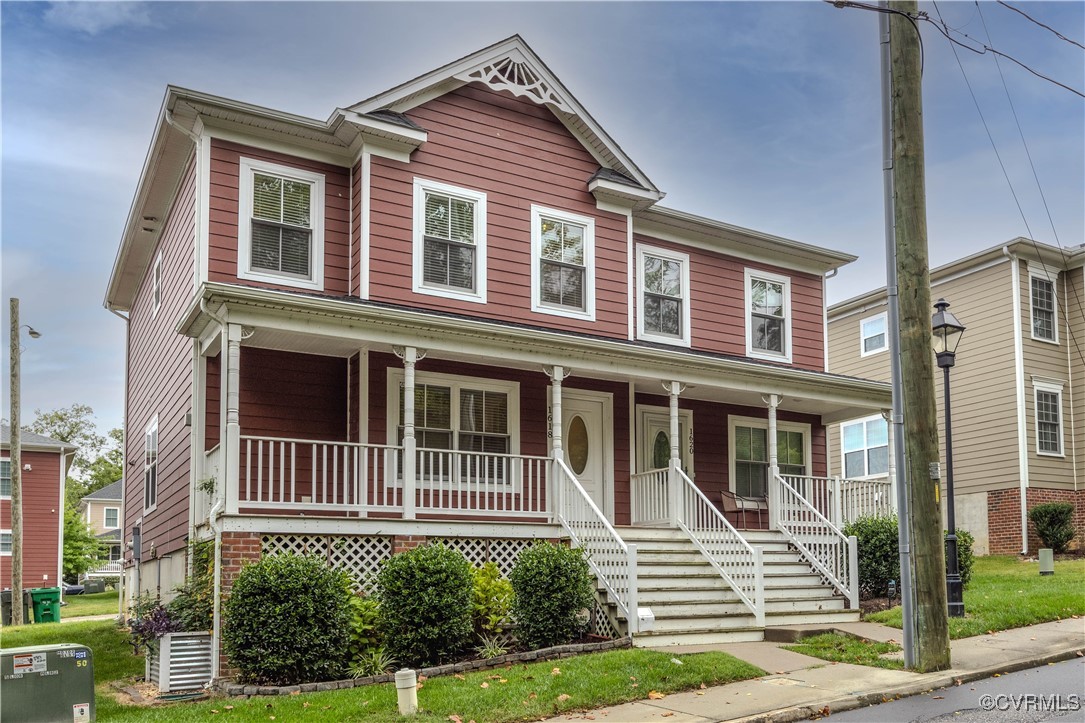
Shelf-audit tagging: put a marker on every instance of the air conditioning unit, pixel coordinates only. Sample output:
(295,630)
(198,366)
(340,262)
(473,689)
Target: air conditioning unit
(180,661)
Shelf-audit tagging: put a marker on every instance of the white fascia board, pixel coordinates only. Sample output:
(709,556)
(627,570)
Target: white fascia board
(366,324)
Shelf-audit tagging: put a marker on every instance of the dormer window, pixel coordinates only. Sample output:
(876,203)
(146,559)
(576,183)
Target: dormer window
(280,225)
(449,241)
(562,263)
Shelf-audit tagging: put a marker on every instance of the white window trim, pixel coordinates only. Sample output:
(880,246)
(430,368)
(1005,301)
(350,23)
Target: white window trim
(843,452)
(457,382)
(8,533)
(1040,274)
(537,212)
(736,421)
(153,426)
(750,275)
(8,460)
(1050,388)
(683,259)
(156,286)
(645,414)
(419,286)
(862,337)
(249,166)
(105,518)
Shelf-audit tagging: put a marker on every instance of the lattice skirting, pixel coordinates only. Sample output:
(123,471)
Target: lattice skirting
(479,551)
(358,555)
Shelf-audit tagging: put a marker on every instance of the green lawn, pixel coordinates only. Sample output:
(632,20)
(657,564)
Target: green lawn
(846,649)
(100,603)
(1006,592)
(523,692)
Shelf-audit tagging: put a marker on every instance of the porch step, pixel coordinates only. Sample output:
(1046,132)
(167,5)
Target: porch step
(698,636)
(811,617)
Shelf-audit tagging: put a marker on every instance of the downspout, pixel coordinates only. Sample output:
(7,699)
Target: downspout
(212,520)
(1019,380)
(1070,377)
(63,510)
(124,461)
(825,317)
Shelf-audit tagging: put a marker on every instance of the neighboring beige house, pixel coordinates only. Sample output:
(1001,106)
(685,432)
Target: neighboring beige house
(103,510)
(1017,390)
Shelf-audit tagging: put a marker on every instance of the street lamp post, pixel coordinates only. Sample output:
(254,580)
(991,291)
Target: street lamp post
(947,334)
(17,468)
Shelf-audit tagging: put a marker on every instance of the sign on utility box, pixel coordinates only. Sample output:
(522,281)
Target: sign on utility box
(47,683)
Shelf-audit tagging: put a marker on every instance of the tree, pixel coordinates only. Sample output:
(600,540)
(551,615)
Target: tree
(82,549)
(99,458)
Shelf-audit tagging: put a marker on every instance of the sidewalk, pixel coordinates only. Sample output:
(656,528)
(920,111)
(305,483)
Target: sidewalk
(798,687)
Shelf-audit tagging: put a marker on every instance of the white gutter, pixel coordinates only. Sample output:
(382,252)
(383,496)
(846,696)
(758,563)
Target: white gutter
(62,510)
(1070,375)
(1019,380)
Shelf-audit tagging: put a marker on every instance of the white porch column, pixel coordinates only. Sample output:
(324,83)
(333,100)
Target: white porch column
(892,468)
(557,374)
(232,377)
(773,490)
(410,357)
(674,482)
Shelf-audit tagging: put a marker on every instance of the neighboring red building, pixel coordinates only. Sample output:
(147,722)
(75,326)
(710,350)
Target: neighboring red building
(456,310)
(45,466)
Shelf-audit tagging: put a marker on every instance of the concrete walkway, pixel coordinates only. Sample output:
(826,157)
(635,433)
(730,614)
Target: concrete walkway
(798,687)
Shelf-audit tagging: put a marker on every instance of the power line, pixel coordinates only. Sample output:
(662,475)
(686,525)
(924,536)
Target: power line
(1035,176)
(1059,35)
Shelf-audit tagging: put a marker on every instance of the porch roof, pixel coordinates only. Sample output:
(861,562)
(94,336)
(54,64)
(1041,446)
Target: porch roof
(341,326)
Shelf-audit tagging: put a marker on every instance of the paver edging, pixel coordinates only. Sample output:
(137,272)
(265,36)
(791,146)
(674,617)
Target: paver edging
(230,688)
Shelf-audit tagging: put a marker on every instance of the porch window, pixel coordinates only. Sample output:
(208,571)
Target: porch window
(663,296)
(865,447)
(280,224)
(768,315)
(1043,309)
(449,241)
(751,457)
(150,465)
(5,478)
(562,263)
(114,553)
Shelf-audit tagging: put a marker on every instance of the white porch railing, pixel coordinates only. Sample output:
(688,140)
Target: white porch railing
(613,561)
(737,562)
(212,469)
(864,498)
(299,473)
(649,501)
(508,485)
(818,540)
(112,568)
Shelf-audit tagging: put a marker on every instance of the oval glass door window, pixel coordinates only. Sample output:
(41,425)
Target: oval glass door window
(661,450)
(578,444)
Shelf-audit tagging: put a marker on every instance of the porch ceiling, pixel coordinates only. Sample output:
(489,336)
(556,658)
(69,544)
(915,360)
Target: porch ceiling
(327,327)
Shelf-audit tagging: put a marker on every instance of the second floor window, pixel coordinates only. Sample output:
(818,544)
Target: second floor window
(873,335)
(150,465)
(865,447)
(280,224)
(663,295)
(768,315)
(112,517)
(5,542)
(449,241)
(1048,419)
(1043,309)
(562,264)
(5,478)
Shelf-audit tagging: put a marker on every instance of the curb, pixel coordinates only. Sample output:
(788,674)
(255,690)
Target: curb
(932,681)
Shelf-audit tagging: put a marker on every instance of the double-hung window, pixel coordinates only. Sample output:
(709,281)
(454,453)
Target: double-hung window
(5,478)
(768,315)
(112,518)
(5,542)
(1048,418)
(562,263)
(1044,322)
(280,224)
(150,465)
(663,296)
(865,445)
(449,241)
(872,335)
(750,454)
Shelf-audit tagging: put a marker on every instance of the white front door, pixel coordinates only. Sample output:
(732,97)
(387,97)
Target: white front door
(588,445)
(654,441)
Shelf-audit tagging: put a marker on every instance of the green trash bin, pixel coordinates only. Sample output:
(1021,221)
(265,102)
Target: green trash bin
(46,602)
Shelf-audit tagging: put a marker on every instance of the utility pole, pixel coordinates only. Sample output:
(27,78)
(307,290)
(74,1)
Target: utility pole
(921,473)
(16,476)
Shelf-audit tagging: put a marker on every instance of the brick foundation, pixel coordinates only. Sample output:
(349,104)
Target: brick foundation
(238,549)
(1004,517)
(402,543)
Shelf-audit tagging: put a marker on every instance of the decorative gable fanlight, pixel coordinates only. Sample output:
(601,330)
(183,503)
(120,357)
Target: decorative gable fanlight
(513,72)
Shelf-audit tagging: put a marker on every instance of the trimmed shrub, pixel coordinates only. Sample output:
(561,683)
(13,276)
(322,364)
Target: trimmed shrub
(1054,524)
(425,605)
(491,605)
(879,554)
(552,586)
(287,621)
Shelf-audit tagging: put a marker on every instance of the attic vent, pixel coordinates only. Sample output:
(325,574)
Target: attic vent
(520,79)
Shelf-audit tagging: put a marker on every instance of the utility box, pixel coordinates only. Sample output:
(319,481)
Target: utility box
(47,683)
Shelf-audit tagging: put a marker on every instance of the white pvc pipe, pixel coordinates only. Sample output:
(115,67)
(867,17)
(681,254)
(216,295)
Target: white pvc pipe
(407,691)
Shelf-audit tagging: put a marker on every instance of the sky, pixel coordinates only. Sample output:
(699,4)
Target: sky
(761,114)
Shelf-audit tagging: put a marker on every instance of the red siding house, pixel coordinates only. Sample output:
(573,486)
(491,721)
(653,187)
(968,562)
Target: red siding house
(45,464)
(457,311)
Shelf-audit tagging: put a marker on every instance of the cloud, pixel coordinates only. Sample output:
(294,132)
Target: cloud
(96,17)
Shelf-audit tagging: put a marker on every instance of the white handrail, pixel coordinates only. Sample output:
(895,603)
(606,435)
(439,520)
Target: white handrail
(487,483)
(865,498)
(738,563)
(649,503)
(613,561)
(825,547)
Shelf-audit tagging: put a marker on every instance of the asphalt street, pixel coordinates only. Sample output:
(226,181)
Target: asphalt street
(1053,692)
